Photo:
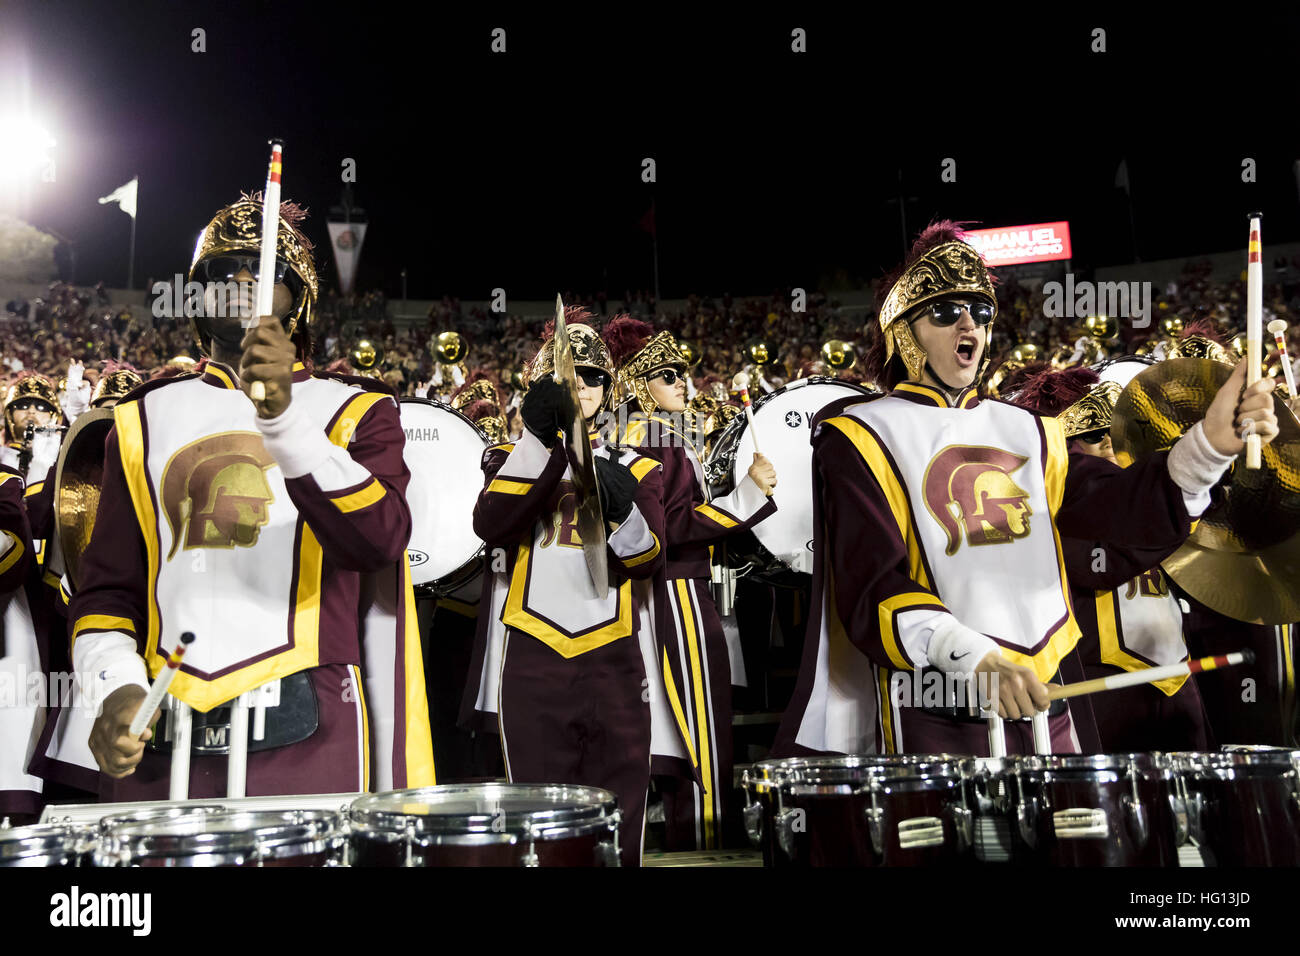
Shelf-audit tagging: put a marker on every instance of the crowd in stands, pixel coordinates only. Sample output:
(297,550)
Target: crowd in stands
(70,323)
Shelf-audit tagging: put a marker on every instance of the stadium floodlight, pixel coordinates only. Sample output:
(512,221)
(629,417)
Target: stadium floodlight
(25,150)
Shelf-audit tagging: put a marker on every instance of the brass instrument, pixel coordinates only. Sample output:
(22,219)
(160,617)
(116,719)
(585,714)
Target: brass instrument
(690,353)
(760,353)
(839,355)
(1104,328)
(1024,353)
(448,348)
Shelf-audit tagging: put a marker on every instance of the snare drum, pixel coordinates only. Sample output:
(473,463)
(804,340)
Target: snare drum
(42,844)
(1244,805)
(889,810)
(227,838)
(444,453)
(779,549)
(488,824)
(1101,809)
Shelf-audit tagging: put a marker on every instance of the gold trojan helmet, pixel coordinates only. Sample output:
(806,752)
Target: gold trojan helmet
(30,385)
(492,424)
(588,349)
(1093,412)
(113,386)
(237,230)
(659,352)
(951,268)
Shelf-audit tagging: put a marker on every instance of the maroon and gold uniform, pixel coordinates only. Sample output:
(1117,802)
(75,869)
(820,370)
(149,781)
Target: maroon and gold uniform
(281,543)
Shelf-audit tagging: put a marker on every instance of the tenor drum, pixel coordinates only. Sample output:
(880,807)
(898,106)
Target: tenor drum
(488,824)
(1244,805)
(42,844)
(998,796)
(227,838)
(779,549)
(895,810)
(1101,809)
(444,453)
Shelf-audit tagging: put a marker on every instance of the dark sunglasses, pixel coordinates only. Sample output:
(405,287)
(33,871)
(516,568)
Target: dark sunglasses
(225,268)
(944,314)
(669,375)
(1095,437)
(593,378)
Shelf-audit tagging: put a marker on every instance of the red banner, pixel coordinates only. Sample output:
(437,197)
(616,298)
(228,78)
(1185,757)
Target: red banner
(1012,245)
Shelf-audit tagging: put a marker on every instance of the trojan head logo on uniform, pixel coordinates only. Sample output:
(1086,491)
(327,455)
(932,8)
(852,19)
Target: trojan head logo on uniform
(970,486)
(215,493)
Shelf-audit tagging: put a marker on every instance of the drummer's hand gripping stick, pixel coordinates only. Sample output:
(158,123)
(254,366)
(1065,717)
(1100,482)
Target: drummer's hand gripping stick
(270,238)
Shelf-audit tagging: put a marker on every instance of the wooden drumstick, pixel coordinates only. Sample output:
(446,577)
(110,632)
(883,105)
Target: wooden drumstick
(270,238)
(1278,328)
(741,384)
(1254,328)
(159,689)
(1151,674)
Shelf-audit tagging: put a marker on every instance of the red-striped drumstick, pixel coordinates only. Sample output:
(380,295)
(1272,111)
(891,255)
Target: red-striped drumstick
(1278,328)
(1254,328)
(270,238)
(159,689)
(1151,674)
(741,384)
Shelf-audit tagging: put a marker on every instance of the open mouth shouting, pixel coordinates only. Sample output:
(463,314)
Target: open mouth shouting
(967,347)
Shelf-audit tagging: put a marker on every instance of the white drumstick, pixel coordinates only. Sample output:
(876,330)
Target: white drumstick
(1254,328)
(1278,328)
(741,384)
(270,237)
(159,689)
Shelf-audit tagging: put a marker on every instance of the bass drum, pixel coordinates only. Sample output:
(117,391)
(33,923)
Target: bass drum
(444,453)
(779,549)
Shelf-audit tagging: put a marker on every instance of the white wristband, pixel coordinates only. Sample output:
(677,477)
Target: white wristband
(956,648)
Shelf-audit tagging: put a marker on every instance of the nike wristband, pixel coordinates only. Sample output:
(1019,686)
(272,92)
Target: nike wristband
(955,648)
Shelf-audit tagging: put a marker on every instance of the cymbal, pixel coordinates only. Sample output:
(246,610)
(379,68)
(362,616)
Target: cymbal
(1243,558)
(78,478)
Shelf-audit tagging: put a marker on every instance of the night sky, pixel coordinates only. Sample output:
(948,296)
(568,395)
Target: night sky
(774,169)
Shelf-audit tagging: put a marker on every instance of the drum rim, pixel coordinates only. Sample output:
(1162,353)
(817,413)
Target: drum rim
(150,814)
(369,817)
(855,768)
(1192,761)
(36,840)
(1154,761)
(272,833)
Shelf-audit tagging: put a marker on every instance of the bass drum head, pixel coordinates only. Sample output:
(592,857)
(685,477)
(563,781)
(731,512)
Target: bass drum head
(783,420)
(444,453)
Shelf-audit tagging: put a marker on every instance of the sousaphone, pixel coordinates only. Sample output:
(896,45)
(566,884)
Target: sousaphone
(1243,557)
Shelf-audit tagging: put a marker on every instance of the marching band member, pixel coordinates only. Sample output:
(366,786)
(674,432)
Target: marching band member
(275,531)
(1122,601)
(692,645)
(21,656)
(938,520)
(572,700)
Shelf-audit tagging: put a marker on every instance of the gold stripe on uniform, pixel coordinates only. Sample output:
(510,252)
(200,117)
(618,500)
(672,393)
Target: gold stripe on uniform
(886,711)
(713,514)
(34,489)
(642,467)
(648,555)
(16,552)
(102,622)
(349,417)
(888,607)
(365,728)
(702,716)
(417,734)
(364,498)
(508,487)
(1112,652)
(675,701)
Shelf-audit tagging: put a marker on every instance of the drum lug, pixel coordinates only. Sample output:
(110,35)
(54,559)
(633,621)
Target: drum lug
(964,822)
(753,812)
(1027,819)
(876,820)
(1138,819)
(611,851)
(408,837)
(785,831)
(530,858)
(1179,804)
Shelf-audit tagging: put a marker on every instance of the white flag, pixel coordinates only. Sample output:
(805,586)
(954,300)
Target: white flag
(347,240)
(124,196)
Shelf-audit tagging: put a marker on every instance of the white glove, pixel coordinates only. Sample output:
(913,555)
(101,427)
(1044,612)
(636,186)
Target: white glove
(457,376)
(45,452)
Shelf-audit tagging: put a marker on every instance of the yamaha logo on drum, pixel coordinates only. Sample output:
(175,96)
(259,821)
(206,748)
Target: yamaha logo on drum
(421,434)
(793,419)
(416,557)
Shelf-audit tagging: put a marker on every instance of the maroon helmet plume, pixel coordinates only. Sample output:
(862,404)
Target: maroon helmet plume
(625,336)
(1050,392)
